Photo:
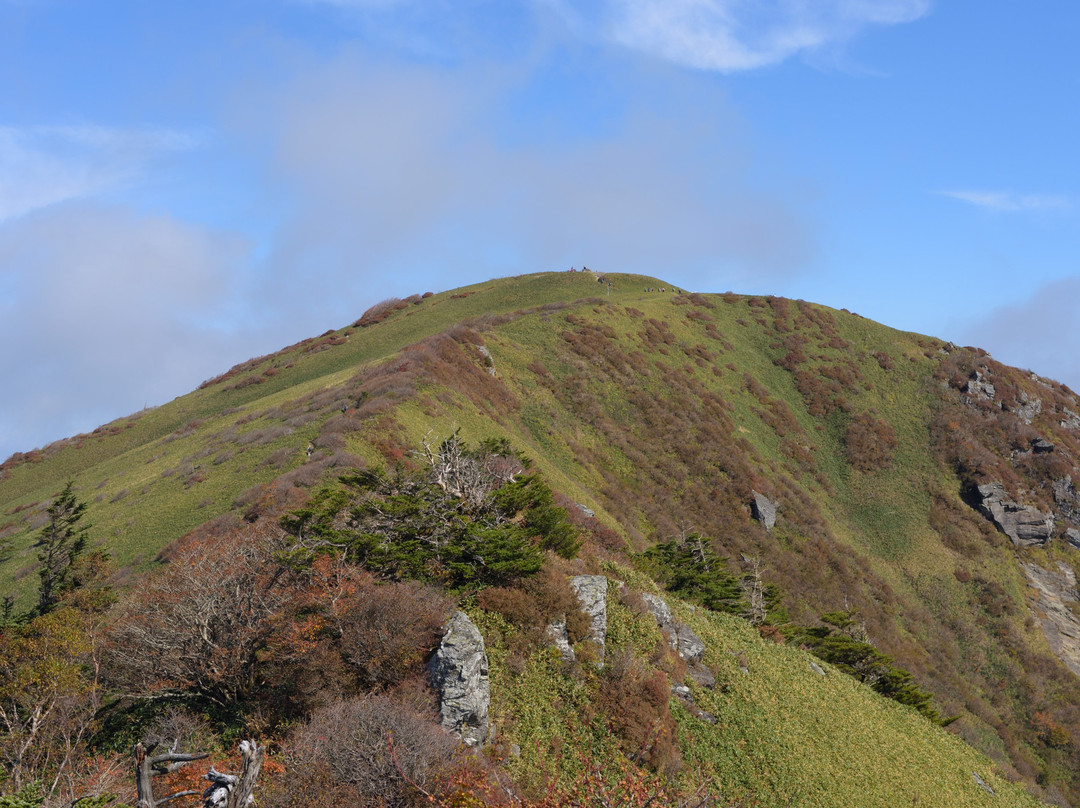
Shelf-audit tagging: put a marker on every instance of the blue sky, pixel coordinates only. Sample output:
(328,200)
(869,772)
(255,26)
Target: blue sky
(184,185)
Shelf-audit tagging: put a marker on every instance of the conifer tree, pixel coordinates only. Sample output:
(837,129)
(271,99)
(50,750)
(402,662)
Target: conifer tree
(62,541)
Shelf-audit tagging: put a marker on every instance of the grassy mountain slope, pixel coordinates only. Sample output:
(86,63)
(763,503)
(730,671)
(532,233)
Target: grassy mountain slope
(663,413)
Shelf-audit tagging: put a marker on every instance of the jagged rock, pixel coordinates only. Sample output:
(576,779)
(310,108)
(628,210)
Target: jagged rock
(1041,446)
(459,673)
(1071,419)
(587,511)
(658,608)
(816,668)
(1055,591)
(1072,537)
(1027,408)
(764,510)
(688,644)
(978,387)
(682,691)
(680,637)
(983,783)
(556,632)
(1067,498)
(701,675)
(1026,525)
(591,591)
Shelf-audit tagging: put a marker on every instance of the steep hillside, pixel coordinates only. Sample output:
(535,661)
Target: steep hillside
(923,486)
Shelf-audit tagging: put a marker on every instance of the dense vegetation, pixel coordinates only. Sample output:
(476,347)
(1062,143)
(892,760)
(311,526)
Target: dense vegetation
(299,538)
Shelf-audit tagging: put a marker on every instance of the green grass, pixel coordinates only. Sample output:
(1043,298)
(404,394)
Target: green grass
(152,477)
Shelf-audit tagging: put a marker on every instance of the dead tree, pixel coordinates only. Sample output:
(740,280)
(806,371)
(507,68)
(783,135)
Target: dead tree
(232,790)
(147,767)
(224,791)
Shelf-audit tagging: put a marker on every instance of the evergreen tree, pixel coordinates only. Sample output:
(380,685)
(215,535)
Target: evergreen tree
(62,541)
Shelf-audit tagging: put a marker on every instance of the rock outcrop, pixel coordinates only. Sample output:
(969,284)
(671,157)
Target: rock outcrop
(459,673)
(764,510)
(591,591)
(1067,499)
(681,639)
(1026,525)
(1054,592)
(556,632)
(979,387)
(1027,408)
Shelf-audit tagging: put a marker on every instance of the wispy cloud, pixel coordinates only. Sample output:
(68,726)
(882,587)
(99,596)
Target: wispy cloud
(45,165)
(1009,201)
(111,311)
(733,35)
(376,205)
(1040,332)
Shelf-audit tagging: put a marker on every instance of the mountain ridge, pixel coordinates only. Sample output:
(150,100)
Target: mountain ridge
(660,412)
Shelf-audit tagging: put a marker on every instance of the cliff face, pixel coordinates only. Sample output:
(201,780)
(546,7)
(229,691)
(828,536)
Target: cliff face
(1055,602)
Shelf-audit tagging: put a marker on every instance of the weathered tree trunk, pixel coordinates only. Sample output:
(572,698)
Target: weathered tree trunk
(230,790)
(147,767)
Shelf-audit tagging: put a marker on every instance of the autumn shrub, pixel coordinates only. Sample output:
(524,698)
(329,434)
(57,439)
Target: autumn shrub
(635,701)
(535,603)
(869,443)
(388,630)
(380,311)
(366,751)
(195,627)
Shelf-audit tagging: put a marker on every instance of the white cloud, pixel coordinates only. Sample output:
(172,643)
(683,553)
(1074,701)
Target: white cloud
(732,35)
(396,175)
(44,165)
(1009,201)
(1039,333)
(102,311)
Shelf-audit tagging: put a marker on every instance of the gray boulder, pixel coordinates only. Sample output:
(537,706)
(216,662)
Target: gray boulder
(556,632)
(764,510)
(459,673)
(1026,525)
(1027,408)
(1072,537)
(682,640)
(591,591)
(979,387)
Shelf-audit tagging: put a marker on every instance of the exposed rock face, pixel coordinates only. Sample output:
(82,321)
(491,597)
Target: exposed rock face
(1055,591)
(764,510)
(1067,499)
(1071,419)
(591,592)
(1072,537)
(979,387)
(1027,408)
(459,673)
(556,632)
(1026,525)
(681,639)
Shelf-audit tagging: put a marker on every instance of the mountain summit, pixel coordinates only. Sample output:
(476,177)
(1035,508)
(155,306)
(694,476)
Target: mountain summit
(866,492)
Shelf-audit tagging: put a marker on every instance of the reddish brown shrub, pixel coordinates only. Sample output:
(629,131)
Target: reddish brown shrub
(635,700)
(869,443)
(388,630)
(369,751)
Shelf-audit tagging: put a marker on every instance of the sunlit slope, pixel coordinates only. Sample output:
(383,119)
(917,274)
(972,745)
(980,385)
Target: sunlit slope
(662,412)
(784,734)
(155,475)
